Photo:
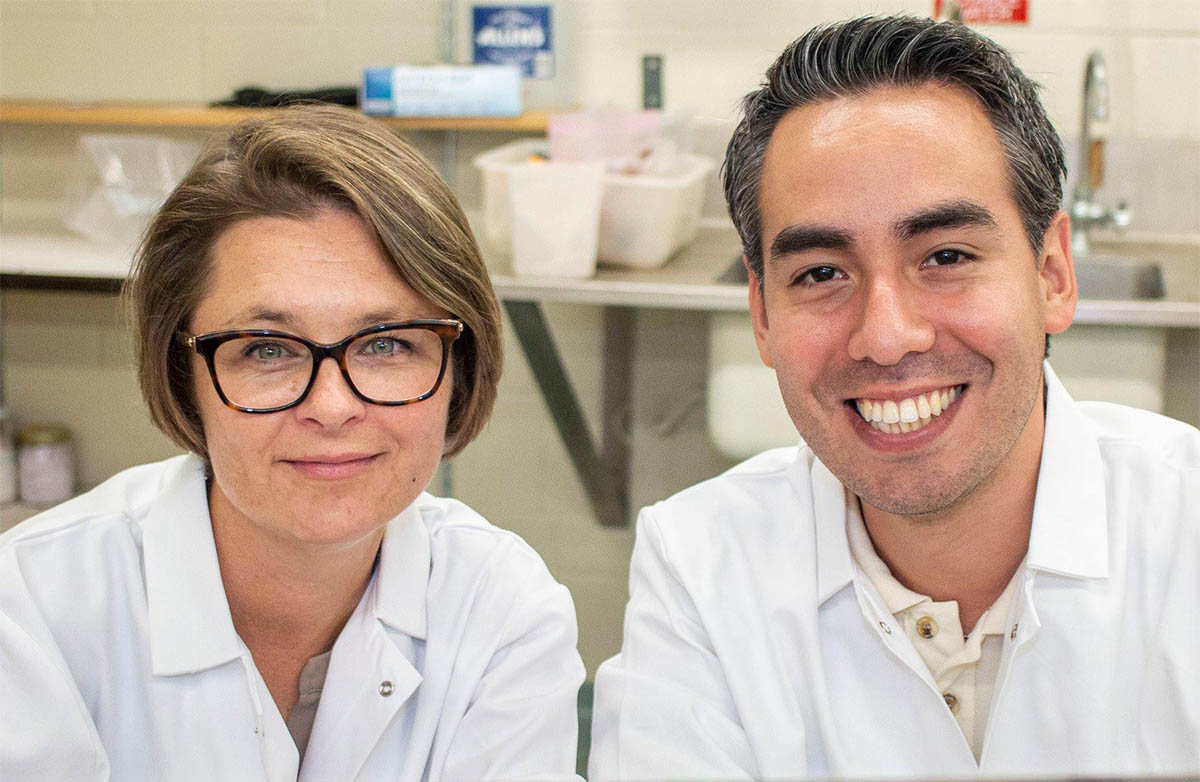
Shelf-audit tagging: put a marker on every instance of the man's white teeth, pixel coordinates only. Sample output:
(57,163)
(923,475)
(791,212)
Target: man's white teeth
(909,414)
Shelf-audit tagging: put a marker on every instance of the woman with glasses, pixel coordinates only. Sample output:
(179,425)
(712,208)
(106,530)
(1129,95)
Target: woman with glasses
(315,326)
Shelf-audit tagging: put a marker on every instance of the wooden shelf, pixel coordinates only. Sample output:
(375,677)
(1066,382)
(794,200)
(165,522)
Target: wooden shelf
(182,115)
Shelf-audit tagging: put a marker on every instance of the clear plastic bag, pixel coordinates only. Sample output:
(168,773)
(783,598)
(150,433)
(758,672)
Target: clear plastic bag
(120,180)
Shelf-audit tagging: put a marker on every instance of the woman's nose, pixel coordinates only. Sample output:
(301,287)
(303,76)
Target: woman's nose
(331,402)
(891,323)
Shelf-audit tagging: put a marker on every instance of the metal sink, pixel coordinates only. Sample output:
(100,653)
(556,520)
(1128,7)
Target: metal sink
(1098,277)
(1111,277)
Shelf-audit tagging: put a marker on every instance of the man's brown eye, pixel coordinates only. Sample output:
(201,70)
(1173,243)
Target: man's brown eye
(946,257)
(819,274)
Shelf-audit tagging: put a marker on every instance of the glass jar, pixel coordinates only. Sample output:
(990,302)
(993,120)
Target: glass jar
(45,464)
(8,461)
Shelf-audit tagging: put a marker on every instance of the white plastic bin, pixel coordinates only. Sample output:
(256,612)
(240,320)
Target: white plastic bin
(644,220)
(556,210)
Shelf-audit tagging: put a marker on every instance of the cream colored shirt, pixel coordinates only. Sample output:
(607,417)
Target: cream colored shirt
(963,666)
(312,681)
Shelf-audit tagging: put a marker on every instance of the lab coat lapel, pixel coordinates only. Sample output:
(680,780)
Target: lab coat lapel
(1070,515)
(191,628)
(834,571)
(371,672)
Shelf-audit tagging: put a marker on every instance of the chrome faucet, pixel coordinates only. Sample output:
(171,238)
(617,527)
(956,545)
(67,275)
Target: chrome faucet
(1086,212)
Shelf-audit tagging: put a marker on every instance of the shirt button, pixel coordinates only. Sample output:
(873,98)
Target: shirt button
(951,701)
(385,688)
(927,627)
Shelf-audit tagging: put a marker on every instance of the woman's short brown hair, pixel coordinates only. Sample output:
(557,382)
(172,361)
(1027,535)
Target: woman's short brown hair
(294,163)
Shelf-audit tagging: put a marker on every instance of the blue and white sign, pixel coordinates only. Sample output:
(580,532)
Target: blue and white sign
(518,35)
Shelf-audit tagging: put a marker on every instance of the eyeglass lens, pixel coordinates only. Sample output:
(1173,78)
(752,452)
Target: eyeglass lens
(386,366)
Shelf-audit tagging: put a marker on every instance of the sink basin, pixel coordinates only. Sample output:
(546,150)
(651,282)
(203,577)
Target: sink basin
(1107,277)
(1098,277)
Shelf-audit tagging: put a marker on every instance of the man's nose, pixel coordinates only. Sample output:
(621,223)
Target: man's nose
(891,322)
(330,401)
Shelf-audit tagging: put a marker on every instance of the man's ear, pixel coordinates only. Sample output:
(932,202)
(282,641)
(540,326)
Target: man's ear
(1056,272)
(758,314)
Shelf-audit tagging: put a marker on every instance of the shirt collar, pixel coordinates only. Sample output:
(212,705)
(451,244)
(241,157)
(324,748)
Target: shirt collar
(404,567)
(1070,523)
(895,595)
(190,625)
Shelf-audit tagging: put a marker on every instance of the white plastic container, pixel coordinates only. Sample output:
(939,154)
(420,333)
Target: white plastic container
(644,220)
(556,218)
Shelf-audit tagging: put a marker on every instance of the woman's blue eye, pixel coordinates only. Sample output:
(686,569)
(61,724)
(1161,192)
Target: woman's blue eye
(385,346)
(266,351)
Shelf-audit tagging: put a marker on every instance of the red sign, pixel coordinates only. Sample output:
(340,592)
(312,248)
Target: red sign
(986,11)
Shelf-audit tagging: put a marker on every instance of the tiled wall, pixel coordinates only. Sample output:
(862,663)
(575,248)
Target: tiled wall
(517,474)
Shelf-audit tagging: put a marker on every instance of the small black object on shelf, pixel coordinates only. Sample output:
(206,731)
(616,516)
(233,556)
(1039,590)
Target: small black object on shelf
(258,97)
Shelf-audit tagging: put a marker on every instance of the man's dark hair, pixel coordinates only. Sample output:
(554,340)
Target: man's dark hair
(853,57)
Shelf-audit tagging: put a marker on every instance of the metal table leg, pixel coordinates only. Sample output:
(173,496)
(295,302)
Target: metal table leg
(604,474)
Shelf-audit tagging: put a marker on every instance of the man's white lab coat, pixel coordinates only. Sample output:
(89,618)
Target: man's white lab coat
(118,657)
(754,647)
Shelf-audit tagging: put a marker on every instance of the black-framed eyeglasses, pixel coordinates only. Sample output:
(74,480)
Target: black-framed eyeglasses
(265,371)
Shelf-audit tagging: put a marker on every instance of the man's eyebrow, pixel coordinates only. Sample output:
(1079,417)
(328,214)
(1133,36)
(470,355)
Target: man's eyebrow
(798,238)
(951,214)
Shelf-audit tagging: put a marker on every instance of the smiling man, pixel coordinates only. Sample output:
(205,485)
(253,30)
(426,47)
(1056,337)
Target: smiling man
(962,570)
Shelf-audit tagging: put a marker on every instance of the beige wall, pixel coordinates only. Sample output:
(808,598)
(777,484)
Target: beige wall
(67,354)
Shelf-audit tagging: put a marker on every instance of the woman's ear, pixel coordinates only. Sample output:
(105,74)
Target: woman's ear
(1056,270)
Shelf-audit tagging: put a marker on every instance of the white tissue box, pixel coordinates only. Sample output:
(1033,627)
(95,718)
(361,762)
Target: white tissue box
(442,91)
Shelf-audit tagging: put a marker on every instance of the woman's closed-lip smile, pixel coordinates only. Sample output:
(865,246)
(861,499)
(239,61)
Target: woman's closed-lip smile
(333,466)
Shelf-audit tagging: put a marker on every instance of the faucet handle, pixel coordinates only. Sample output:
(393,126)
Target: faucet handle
(1121,217)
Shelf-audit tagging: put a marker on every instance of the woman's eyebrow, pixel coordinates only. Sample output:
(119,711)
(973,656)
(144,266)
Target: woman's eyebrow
(288,322)
(258,314)
(384,316)
(950,214)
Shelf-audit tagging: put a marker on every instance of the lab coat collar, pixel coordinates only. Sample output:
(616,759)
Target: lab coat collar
(191,628)
(371,672)
(835,566)
(1069,534)
(1070,516)
(404,566)
(371,675)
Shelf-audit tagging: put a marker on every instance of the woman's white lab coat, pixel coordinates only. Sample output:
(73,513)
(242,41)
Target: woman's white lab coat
(754,648)
(118,657)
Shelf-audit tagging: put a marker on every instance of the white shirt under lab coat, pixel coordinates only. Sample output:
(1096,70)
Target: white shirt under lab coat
(754,648)
(119,659)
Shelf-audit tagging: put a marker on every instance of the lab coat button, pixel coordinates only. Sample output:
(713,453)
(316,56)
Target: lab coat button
(1013,635)
(385,688)
(885,627)
(927,627)
(951,701)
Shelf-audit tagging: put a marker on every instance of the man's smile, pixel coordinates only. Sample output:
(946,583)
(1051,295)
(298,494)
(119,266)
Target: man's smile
(908,414)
